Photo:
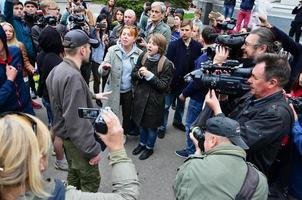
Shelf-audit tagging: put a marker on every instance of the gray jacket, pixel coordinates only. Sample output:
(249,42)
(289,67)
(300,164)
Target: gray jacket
(67,92)
(114,57)
(125,184)
(161,28)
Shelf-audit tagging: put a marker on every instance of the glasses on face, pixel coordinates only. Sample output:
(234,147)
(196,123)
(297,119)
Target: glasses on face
(27,117)
(246,43)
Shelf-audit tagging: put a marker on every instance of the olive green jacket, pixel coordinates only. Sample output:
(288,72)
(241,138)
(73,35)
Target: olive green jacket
(218,174)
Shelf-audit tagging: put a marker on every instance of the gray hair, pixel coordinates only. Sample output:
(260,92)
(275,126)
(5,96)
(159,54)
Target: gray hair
(266,37)
(160,4)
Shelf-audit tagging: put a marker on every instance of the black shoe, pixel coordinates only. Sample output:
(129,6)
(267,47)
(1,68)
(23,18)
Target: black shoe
(180,127)
(146,154)
(138,149)
(161,134)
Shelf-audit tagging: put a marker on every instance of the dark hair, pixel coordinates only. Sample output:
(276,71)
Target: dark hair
(100,18)
(207,35)
(18,3)
(276,66)
(122,10)
(186,22)
(50,40)
(266,37)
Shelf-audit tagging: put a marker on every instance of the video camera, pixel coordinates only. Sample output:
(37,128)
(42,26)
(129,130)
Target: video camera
(232,80)
(233,42)
(227,25)
(77,21)
(297,103)
(43,20)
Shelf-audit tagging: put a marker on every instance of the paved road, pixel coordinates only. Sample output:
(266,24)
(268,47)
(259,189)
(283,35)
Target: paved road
(157,173)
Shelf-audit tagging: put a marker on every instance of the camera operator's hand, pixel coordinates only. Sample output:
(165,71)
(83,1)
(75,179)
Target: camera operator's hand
(212,101)
(182,97)
(195,141)
(11,72)
(222,53)
(95,160)
(114,139)
(264,22)
(102,95)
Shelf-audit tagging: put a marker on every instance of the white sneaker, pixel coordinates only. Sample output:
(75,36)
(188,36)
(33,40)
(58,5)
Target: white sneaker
(61,166)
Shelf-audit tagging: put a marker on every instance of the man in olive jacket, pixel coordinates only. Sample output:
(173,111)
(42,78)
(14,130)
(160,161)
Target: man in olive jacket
(220,172)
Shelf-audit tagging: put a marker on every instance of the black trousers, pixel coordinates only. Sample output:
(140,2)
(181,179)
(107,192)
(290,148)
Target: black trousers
(126,100)
(96,77)
(295,29)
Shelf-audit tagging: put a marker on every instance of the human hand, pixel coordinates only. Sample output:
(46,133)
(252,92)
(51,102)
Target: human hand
(95,160)
(182,97)
(11,72)
(222,53)
(103,95)
(195,141)
(264,22)
(212,101)
(106,66)
(114,139)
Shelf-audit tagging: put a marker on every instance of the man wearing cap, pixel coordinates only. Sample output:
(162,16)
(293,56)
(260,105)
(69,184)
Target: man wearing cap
(67,92)
(220,172)
(263,113)
(30,9)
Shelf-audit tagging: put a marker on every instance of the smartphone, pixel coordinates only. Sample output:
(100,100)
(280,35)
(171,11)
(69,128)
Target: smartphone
(88,113)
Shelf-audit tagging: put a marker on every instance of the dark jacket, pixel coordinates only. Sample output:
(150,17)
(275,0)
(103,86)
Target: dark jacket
(230,2)
(183,59)
(14,96)
(149,96)
(51,45)
(263,124)
(247,4)
(294,48)
(298,12)
(23,32)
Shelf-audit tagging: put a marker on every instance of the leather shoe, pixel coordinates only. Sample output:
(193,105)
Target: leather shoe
(180,127)
(146,154)
(138,149)
(160,134)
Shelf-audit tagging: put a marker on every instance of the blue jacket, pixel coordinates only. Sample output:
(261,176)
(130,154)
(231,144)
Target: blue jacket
(296,176)
(195,89)
(22,31)
(247,4)
(183,59)
(14,96)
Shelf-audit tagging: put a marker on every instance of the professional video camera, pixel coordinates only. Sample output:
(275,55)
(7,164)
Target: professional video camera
(77,21)
(232,42)
(227,25)
(43,20)
(231,81)
(297,103)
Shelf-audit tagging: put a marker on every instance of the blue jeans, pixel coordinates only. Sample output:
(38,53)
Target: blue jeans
(48,110)
(179,111)
(194,109)
(228,11)
(148,137)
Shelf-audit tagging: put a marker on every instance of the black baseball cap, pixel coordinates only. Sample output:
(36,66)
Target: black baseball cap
(226,127)
(76,38)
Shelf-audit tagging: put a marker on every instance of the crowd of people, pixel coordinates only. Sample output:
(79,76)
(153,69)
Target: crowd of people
(243,132)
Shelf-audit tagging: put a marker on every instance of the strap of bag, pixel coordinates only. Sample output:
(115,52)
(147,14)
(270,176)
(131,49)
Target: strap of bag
(249,185)
(160,65)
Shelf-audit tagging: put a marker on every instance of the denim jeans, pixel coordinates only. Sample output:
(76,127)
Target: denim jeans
(148,137)
(179,111)
(194,109)
(48,110)
(228,11)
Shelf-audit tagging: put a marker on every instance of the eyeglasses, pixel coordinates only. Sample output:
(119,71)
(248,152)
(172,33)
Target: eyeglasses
(249,44)
(27,117)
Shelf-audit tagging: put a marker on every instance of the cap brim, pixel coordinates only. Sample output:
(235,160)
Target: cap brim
(239,142)
(93,41)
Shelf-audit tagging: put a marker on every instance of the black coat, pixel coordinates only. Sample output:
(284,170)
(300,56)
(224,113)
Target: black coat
(149,96)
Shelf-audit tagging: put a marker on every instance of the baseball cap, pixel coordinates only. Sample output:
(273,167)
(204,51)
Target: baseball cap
(226,127)
(76,38)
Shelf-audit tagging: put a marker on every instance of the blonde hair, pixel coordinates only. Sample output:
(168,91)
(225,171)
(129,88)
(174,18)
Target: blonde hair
(20,152)
(14,40)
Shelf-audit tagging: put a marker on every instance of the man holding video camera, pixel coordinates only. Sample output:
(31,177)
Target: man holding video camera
(263,113)
(67,92)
